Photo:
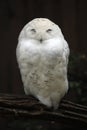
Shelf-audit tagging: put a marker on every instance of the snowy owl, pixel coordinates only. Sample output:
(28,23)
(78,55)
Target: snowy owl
(42,55)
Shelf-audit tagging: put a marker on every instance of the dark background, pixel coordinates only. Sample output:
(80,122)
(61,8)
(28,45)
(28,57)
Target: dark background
(70,15)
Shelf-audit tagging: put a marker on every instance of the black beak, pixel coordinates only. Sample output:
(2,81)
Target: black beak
(41,40)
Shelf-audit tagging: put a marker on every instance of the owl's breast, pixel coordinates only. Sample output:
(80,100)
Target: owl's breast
(42,67)
(46,55)
(42,63)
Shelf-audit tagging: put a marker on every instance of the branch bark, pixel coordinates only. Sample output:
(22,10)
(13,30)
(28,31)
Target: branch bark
(28,106)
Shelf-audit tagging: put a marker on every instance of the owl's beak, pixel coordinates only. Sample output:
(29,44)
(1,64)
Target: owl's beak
(41,40)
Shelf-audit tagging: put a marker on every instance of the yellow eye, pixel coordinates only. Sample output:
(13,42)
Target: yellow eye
(48,30)
(33,30)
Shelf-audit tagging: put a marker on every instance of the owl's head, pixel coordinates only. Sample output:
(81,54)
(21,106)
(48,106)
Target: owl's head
(40,29)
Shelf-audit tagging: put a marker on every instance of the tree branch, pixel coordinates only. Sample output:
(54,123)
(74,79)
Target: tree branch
(28,106)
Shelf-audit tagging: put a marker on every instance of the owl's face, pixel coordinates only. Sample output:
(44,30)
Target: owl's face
(40,29)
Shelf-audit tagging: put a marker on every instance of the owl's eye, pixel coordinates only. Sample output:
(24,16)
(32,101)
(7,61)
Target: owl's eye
(48,30)
(33,30)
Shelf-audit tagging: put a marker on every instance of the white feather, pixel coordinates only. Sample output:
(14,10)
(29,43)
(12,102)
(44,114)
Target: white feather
(43,65)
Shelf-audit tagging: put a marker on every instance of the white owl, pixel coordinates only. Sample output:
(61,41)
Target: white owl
(42,55)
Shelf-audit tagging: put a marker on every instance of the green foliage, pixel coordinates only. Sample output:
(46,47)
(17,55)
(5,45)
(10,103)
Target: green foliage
(77,75)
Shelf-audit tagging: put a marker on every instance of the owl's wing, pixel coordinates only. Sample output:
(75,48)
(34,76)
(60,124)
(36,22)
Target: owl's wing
(66,51)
